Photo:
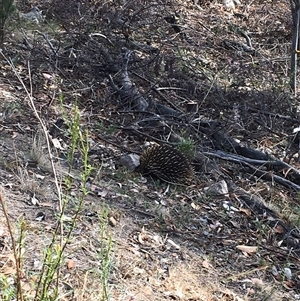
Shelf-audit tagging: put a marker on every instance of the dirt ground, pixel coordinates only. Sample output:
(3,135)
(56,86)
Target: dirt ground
(168,242)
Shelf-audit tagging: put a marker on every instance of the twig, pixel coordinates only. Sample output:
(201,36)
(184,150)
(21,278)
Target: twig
(249,43)
(48,42)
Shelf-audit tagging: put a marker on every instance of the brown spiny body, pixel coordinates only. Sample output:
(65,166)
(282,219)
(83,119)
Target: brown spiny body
(167,163)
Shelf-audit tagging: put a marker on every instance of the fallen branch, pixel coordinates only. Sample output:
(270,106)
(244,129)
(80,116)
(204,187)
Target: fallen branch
(129,93)
(295,7)
(264,174)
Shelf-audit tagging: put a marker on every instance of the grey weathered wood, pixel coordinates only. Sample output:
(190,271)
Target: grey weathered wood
(295,7)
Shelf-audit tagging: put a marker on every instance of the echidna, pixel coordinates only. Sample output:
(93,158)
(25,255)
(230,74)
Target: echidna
(166,163)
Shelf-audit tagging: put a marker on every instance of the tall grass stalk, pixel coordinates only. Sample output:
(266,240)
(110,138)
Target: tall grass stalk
(105,252)
(49,278)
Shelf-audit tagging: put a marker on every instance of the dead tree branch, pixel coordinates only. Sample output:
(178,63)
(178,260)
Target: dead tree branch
(295,7)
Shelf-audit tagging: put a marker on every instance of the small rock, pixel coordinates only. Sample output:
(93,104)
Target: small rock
(131,161)
(219,189)
(288,273)
(230,4)
(35,15)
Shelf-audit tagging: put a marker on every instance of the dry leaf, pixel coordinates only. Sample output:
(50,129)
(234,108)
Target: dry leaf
(235,224)
(112,221)
(47,76)
(246,211)
(172,243)
(278,229)
(26,286)
(206,264)
(194,206)
(6,270)
(288,284)
(70,264)
(102,193)
(137,271)
(142,237)
(46,204)
(257,282)
(147,290)
(56,143)
(247,249)
(39,176)
(34,201)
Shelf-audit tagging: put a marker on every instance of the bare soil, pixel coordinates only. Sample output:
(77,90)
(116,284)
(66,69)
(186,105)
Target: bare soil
(169,242)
